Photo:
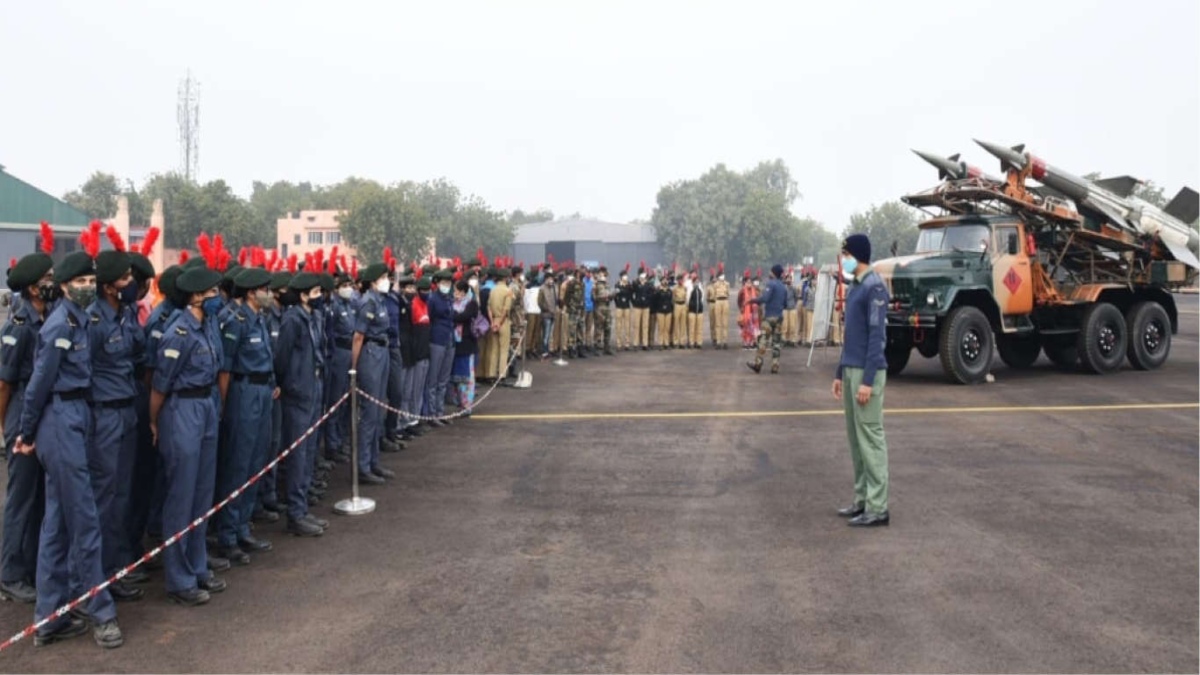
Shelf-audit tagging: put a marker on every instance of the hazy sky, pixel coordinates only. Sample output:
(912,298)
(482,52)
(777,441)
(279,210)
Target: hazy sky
(592,106)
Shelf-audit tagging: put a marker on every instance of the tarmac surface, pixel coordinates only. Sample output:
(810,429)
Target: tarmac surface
(674,512)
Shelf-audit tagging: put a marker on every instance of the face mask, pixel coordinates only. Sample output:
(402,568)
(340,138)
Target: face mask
(316,301)
(212,306)
(81,295)
(444,288)
(474,283)
(129,294)
(263,298)
(848,266)
(641,277)
(383,285)
(345,292)
(720,277)
(49,292)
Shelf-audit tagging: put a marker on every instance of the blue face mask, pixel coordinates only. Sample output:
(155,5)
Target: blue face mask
(212,306)
(129,294)
(849,265)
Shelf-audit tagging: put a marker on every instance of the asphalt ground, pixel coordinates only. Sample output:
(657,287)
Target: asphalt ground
(674,512)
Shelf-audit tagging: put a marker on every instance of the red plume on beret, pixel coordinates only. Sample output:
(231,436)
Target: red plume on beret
(115,237)
(721,267)
(90,238)
(354,268)
(333,261)
(47,238)
(272,259)
(758,273)
(183,256)
(458,275)
(223,259)
(150,240)
(331,267)
(418,273)
(292,263)
(258,257)
(243,255)
(483,259)
(12,263)
(207,251)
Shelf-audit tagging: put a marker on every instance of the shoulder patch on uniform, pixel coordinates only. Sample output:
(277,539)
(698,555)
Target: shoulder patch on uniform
(156,334)
(171,353)
(240,316)
(95,317)
(231,336)
(9,339)
(370,315)
(180,331)
(71,321)
(18,321)
(62,343)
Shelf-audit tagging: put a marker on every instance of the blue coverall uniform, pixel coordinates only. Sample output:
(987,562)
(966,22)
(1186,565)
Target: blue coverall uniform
(299,370)
(373,365)
(339,332)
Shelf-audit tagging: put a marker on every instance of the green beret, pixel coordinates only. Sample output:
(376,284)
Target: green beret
(304,281)
(326,281)
(111,266)
(473,262)
(423,284)
(406,279)
(443,275)
(252,277)
(29,271)
(197,280)
(504,273)
(517,271)
(166,282)
(143,269)
(280,280)
(373,272)
(342,278)
(194,262)
(77,264)
(429,268)
(603,269)
(232,272)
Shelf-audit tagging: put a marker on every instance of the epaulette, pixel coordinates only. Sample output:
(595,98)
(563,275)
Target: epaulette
(71,321)
(95,318)
(180,330)
(18,321)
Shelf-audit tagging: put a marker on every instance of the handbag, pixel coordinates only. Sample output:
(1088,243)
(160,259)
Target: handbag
(480,326)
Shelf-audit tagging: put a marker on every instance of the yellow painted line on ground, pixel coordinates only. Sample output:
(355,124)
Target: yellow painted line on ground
(822,413)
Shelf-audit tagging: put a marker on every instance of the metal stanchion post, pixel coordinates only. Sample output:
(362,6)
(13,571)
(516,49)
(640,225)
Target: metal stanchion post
(355,506)
(524,378)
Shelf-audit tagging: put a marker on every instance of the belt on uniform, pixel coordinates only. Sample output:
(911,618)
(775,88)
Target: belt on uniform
(343,343)
(196,392)
(379,341)
(118,403)
(72,395)
(725,298)
(253,378)
(682,303)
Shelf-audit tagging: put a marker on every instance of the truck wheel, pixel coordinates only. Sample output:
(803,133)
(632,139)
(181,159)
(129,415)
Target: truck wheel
(1102,339)
(897,354)
(1019,352)
(1149,330)
(1062,352)
(966,345)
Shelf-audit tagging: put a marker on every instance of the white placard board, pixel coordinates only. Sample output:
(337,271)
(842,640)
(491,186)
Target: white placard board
(531,305)
(822,307)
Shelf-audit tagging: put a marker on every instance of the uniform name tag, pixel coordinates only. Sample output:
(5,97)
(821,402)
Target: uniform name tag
(62,343)
(231,336)
(156,334)
(255,340)
(9,340)
(171,353)
(274,333)
(370,315)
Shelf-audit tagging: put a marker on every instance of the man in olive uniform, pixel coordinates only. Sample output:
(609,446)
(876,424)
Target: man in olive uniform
(24,501)
(720,313)
(575,314)
(601,297)
(679,313)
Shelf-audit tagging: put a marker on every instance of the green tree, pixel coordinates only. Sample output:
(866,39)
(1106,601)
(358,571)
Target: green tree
(97,197)
(181,208)
(139,210)
(884,224)
(519,217)
(393,216)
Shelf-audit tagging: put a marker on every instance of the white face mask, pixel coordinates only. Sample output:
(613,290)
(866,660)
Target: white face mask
(383,285)
(720,277)
(346,292)
(473,282)
(444,288)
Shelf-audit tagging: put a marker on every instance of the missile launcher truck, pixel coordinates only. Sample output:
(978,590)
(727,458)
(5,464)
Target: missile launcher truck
(1081,270)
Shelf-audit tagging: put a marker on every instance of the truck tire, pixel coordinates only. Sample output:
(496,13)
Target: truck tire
(1149,331)
(1062,352)
(1102,339)
(1019,352)
(897,354)
(966,345)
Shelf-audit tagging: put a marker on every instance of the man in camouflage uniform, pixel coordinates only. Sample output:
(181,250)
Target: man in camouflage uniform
(601,297)
(575,318)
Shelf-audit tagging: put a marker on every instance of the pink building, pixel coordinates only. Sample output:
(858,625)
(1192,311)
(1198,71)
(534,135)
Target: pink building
(308,231)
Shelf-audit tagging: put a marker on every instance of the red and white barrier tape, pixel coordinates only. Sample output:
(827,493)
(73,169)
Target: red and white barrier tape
(170,541)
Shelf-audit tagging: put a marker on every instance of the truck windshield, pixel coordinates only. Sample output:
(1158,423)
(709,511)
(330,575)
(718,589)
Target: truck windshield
(962,238)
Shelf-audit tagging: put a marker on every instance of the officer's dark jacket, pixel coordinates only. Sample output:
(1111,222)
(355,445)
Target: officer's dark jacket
(663,303)
(623,298)
(298,356)
(643,294)
(18,339)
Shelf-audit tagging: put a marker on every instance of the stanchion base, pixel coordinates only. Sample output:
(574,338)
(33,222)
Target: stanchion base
(355,506)
(524,380)
(560,361)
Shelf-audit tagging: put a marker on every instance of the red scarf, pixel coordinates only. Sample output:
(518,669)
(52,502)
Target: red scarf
(420,312)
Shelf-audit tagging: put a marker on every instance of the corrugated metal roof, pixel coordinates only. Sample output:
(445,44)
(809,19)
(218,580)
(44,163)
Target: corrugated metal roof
(21,202)
(584,230)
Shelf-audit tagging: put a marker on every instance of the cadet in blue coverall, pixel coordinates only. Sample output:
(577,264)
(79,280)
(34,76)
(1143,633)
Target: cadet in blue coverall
(183,421)
(32,281)
(247,382)
(268,495)
(56,423)
(299,372)
(145,464)
(370,360)
(117,344)
(339,331)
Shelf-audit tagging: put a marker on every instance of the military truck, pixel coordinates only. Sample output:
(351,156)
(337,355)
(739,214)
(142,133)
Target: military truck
(1023,270)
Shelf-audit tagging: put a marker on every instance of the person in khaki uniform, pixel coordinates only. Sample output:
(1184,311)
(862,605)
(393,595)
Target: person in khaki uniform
(500,302)
(623,300)
(679,313)
(719,300)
